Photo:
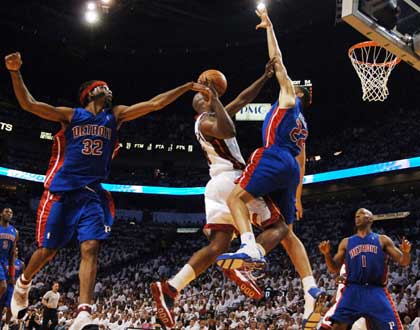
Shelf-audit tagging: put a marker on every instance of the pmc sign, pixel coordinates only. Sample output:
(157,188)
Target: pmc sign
(253,112)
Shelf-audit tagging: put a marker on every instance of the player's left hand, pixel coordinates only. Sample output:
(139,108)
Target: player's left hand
(269,68)
(265,20)
(299,209)
(405,246)
(12,281)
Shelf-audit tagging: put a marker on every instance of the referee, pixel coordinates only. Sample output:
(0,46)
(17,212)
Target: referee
(50,302)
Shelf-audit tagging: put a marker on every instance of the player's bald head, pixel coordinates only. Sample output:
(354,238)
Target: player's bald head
(199,103)
(364,211)
(363,219)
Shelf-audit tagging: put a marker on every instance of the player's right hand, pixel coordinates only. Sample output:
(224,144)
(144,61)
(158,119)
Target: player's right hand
(13,61)
(324,247)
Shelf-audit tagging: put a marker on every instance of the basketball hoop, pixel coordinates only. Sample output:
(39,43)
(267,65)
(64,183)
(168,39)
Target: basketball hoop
(373,65)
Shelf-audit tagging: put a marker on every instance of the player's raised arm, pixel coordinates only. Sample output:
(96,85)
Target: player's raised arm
(333,264)
(402,255)
(248,95)
(27,101)
(221,126)
(126,113)
(287,92)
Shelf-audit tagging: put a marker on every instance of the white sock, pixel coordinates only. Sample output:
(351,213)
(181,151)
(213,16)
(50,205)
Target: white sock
(261,249)
(23,285)
(183,278)
(249,239)
(308,282)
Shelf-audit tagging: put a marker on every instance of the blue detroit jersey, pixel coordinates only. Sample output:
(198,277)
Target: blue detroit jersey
(7,239)
(82,153)
(365,260)
(285,128)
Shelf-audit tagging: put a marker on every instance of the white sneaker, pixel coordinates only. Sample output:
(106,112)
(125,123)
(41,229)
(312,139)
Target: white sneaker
(20,302)
(245,256)
(84,321)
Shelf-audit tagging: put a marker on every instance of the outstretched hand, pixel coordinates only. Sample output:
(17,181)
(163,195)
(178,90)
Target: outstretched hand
(265,20)
(324,247)
(13,61)
(269,68)
(201,89)
(405,246)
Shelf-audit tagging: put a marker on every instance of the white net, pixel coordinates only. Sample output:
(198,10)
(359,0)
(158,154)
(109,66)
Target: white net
(373,65)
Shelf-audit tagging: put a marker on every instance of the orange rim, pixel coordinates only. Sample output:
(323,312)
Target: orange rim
(371,43)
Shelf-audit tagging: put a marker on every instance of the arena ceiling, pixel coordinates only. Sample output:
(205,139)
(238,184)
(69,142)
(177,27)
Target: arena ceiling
(143,47)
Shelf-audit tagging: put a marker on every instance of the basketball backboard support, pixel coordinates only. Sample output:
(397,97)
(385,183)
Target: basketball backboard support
(403,40)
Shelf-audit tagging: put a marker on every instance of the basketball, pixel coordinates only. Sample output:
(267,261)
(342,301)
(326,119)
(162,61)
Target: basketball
(217,78)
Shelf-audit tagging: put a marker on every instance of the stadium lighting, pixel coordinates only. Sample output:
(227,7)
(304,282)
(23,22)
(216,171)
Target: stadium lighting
(261,6)
(338,153)
(91,5)
(317,158)
(91,17)
(106,2)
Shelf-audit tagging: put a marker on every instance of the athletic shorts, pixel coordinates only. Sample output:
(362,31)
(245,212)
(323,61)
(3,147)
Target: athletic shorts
(85,213)
(4,272)
(273,172)
(326,323)
(374,303)
(218,217)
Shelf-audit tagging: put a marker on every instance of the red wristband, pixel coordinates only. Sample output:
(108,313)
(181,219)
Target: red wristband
(12,271)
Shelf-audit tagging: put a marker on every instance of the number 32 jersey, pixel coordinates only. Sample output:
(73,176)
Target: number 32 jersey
(82,152)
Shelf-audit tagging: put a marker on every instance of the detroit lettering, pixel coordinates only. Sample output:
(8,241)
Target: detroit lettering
(97,130)
(368,248)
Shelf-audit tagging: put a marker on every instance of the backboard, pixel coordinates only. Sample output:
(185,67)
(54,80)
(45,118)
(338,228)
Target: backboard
(403,40)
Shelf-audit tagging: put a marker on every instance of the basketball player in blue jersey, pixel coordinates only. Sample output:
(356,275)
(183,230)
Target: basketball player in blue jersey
(8,239)
(365,256)
(7,297)
(277,170)
(74,203)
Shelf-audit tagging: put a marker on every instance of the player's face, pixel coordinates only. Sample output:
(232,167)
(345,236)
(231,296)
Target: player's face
(55,287)
(200,105)
(102,93)
(363,218)
(7,214)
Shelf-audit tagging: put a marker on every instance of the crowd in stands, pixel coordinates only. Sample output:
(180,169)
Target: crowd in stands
(139,253)
(350,146)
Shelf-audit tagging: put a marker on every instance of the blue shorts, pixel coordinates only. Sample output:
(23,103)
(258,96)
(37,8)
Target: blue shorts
(6,298)
(371,302)
(85,213)
(4,273)
(273,172)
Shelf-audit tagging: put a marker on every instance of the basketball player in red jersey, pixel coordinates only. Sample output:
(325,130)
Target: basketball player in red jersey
(215,132)
(74,203)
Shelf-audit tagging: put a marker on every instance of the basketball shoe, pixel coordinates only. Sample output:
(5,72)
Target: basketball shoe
(244,257)
(245,281)
(320,297)
(164,295)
